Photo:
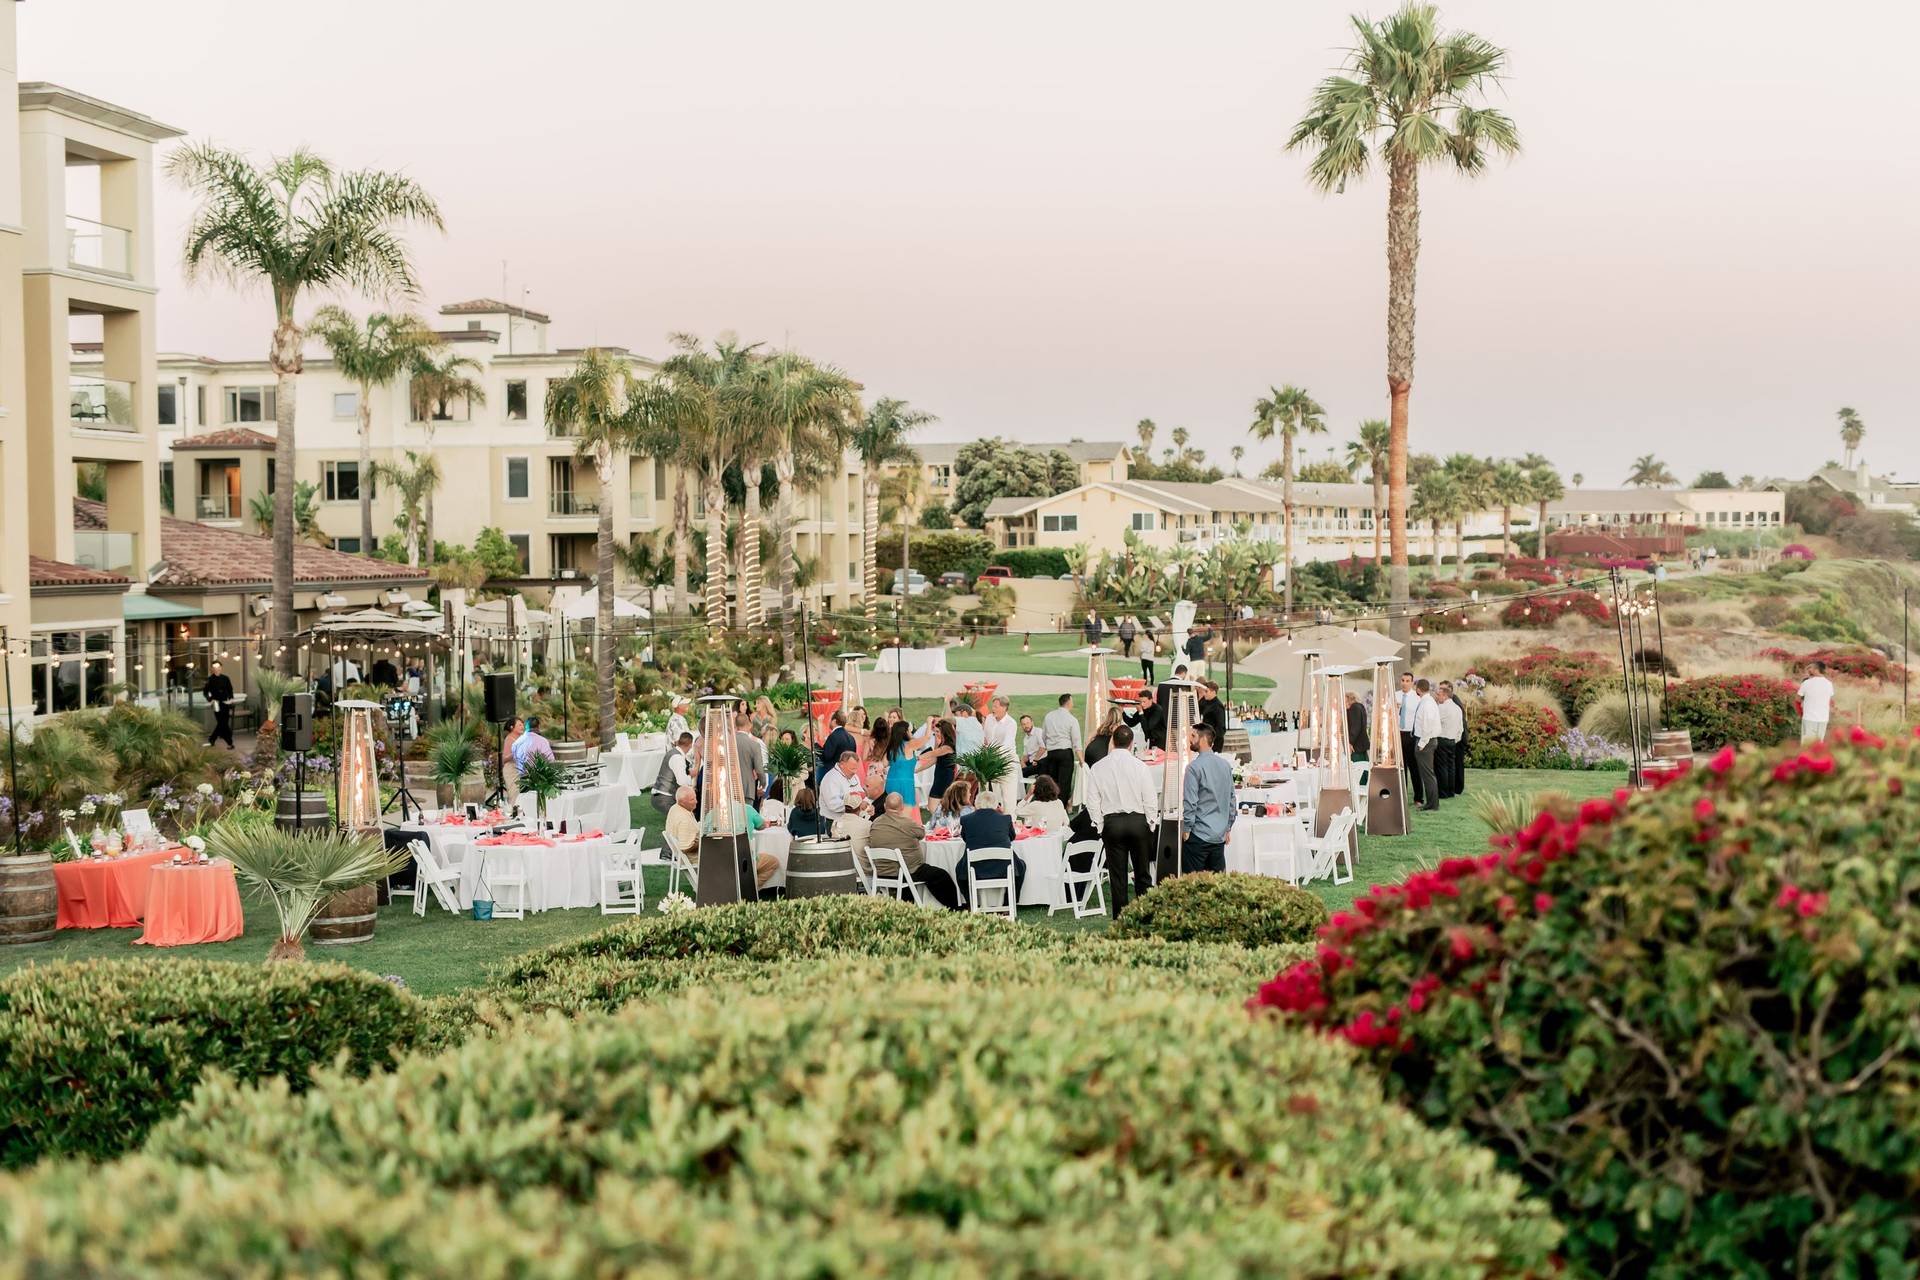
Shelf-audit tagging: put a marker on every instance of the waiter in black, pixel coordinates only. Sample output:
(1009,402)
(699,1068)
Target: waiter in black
(219,696)
(1151,720)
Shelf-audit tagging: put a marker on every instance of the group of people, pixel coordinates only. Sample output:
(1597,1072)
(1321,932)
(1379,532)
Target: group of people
(1433,739)
(1137,639)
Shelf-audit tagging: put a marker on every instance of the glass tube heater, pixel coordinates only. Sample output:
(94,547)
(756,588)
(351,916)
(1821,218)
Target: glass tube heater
(1183,712)
(850,682)
(358,801)
(1386,716)
(1386,782)
(1308,737)
(1099,696)
(726,849)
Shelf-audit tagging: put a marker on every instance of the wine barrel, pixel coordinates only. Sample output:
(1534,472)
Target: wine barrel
(29,899)
(1672,744)
(569,753)
(304,810)
(816,868)
(345,918)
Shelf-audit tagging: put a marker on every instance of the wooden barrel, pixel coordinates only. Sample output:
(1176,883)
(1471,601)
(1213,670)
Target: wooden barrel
(1672,744)
(567,753)
(1238,746)
(29,899)
(816,868)
(345,918)
(304,810)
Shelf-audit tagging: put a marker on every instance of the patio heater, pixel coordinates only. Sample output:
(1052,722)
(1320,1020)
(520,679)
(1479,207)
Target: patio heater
(726,844)
(1336,751)
(1386,783)
(1099,694)
(1306,736)
(1183,712)
(357,779)
(850,696)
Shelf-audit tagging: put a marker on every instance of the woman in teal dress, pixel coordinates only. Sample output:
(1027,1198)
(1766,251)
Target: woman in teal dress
(902,759)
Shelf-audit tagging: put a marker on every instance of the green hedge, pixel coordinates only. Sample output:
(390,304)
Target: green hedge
(1250,910)
(93,1054)
(968,1127)
(1033,562)
(1507,731)
(1691,1019)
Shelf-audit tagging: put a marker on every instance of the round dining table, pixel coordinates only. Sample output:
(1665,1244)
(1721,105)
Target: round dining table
(1045,856)
(192,902)
(106,893)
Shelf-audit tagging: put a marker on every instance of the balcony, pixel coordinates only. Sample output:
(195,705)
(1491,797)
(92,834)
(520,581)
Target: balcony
(97,246)
(107,551)
(572,504)
(103,404)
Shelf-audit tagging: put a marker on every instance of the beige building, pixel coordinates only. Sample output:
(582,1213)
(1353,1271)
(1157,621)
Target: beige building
(1331,521)
(503,464)
(1099,461)
(1618,509)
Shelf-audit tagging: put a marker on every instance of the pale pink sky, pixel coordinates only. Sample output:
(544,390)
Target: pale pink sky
(1045,220)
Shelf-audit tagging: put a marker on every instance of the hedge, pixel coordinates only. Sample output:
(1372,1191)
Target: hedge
(1862,664)
(1691,1019)
(1722,710)
(1033,562)
(1223,907)
(95,1053)
(1511,732)
(966,1128)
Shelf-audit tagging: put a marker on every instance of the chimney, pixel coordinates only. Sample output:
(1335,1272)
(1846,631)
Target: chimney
(1865,481)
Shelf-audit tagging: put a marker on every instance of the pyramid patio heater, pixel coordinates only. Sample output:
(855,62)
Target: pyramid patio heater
(850,683)
(1183,712)
(1306,739)
(1336,751)
(726,843)
(1099,693)
(357,800)
(1386,779)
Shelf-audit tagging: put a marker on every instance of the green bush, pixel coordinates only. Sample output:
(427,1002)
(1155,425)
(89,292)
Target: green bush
(1721,710)
(1254,911)
(1512,731)
(1691,1019)
(1826,619)
(962,1128)
(96,1053)
(1033,562)
(934,553)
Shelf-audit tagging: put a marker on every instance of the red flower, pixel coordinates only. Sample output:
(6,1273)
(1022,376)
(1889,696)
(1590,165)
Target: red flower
(1543,902)
(1460,943)
(1703,809)
(1722,761)
(1812,904)
(1788,893)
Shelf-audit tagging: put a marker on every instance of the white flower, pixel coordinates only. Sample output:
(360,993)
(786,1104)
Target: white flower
(196,844)
(675,903)
(68,815)
(205,788)
(171,804)
(114,798)
(86,806)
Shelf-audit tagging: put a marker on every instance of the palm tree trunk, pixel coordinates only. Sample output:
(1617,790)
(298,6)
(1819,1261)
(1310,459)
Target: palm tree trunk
(1286,517)
(1403,254)
(1459,549)
(1379,514)
(716,555)
(752,606)
(906,565)
(783,469)
(869,531)
(426,530)
(366,472)
(1543,528)
(603,588)
(682,537)
(285,358)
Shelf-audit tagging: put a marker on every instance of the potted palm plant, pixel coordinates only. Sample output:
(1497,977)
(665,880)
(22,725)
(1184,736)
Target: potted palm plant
(543,778)
(789,762)
(449,763)
(987,765)
(304,874)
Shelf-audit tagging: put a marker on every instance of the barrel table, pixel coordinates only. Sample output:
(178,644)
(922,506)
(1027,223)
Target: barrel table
(29,899)
(816,868)
(303,810)
(346,918)
(1668,754)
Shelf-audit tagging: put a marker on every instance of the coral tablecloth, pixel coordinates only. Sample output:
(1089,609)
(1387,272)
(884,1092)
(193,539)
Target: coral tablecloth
(108,893)
(188,904)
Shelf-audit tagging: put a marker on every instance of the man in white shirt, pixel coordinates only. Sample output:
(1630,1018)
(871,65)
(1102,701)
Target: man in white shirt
(1426,740)
(1060,732)
(1003,733)
(1448,767)
(1034,751)
(844,806)
(1404,701)
(1816,703)
(1124,806)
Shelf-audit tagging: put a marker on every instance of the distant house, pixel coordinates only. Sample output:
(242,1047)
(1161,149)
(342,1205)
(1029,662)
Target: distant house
(1098,460)
(1868,491)
(1624,510)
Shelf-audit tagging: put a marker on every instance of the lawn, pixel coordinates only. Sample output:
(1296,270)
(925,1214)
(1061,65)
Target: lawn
(443,952)
(1052,655)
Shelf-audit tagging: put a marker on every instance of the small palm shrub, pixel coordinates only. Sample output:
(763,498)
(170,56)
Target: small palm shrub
(987,764)
(298,871)
(790,762)
(1253,911)
(1722,710)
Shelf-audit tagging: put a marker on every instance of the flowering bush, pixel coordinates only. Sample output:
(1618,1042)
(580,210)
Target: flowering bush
(1540,576)
(1719,710)
(1576,678)
(1862,664)
(1506,732)
(1796,551)
(1691,1019)
(1544,611)
(1578,749)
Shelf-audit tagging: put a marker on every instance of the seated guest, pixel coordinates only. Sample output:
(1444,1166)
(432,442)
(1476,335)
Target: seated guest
(956,804)
(988,828)
(896,829)
(804,819)
(1043,808)
(683,834)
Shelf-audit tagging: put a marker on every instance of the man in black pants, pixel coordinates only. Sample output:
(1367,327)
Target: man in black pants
(1404,704)
(1150,720)
(1426,739)
(1122,801)
(219,696)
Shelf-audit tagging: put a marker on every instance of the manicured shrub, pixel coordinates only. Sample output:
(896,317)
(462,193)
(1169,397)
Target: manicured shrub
(93,1054)
(1033,562)
(1575,678)
(1512,731)
(969,1128)
(1691,1019)
(1544,611)
(1719,710)
(1769,611)
(1225,907)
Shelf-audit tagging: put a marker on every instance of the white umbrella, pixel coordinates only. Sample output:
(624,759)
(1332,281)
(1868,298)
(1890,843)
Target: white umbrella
(585,607)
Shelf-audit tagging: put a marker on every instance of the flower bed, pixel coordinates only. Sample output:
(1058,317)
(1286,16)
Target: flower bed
(1861,664)
(1720,710)
(1576,678)
(1544,611)
(1251,910)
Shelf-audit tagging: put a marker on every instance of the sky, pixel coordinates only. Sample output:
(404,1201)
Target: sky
(1048,220)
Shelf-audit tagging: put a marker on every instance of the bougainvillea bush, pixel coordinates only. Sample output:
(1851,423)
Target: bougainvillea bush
(1690,1018)
(1577,678)
(1723,710)
(1861,664)
(1511,732)
(1544,611)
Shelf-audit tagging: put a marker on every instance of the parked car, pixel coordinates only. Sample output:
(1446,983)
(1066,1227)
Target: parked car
(994,575)
(953,579)
(915,581)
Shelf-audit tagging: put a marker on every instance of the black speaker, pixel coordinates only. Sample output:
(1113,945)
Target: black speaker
(501,706)
(296,722)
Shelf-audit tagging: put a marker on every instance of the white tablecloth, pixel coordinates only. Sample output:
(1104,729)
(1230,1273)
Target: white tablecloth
(1045,857)
(1240,843)
(1265,748)
(777,841)
(604,807)
(567,874)
(634,771)
(911,661)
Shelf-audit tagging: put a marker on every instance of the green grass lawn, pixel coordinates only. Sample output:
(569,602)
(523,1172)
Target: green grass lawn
(443,953)
(1052,655)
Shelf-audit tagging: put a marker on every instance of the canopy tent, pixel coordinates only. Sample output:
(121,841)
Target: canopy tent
(371,626)
(586,607)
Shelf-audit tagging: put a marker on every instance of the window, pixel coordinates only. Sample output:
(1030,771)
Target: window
(251,404)
(517,401)
(942,476)
(72,669)
(448,409)
(270,466)
(349,545)
(517,480)
(200,406)
(1143,522)
(522,548)
(346,406)
(340,482)
(169,405)
(166,486)
(659,478)
(1060,524)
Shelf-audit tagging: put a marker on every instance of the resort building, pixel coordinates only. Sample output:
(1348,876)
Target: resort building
(1099,461)
(1869,492)
(1621,510)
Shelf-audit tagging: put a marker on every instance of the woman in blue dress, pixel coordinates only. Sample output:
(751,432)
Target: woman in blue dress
(902,759)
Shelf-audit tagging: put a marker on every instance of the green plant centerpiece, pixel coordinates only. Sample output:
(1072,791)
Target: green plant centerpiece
(789,762)
(449,762)
(297,872)
(541,776)
(987,765)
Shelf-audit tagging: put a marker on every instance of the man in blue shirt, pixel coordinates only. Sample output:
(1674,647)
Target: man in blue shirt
(969,735)
(1206,806)
(1407,700)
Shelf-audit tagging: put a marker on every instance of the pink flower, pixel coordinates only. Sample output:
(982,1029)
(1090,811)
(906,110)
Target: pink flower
(1722,761)
(1788,893)
(1812,904)
(1460,944)
(1543,902)
(1703,809)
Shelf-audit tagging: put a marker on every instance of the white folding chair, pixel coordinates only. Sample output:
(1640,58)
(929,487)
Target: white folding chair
(978,887)
(1091,900)
(886,873)
(1326,852)
(429,877)
(623,886)
(679,867)
(504,876)
(1276,848)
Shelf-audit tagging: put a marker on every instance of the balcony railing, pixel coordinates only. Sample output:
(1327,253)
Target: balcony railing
(572,504)
(218,508)
(106,550)
(96,246)
(102,403)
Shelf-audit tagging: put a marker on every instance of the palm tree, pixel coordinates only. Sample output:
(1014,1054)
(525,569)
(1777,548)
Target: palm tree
(591,406)
(1144,431)
(646,563)
(1238,452)
(438,380)
(881,440)
(415,484)
(1852,432)
(714,400)
(1543,484)
(1287,412)
(1577,479)
(1650,473)
(296,226)
(372,355)
(1180,438)
(1368,451)
(1434,502)
(900,493)
(1078,556)
(1472,481)
(1410,93)
(1508,486)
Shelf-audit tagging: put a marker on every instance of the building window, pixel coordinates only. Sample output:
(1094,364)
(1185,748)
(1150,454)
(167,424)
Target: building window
(72,669)
(349,545)
(942,476)
(517,482)
(340,482)
(453,409)
(517,401)
(522,548)
(1143,522)
(346,406)
(169,405)
(251,404)
(271,462)
(1060,524)
(199,406)
(166,486)
(659,478)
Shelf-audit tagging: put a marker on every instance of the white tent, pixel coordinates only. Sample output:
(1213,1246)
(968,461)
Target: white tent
(586,607)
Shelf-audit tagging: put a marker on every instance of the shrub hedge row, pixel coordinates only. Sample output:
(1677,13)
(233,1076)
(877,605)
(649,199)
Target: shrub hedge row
(1720,711)
(1251,910)
(1508,731)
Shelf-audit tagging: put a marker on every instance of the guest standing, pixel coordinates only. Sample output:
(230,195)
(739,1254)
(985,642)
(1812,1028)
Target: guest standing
(1003,735)
(839,742)
(1406,704)
(1102,740)
(531,744)
(1213,712)
(1206,806)
(1357,729)
(969,734)
(1127,632)
(219,696)
(1092,629)
(1449,760)
(1426,738)
(1062,736)
(1124,804)
(1149,649)
(940,750)
(1816,703)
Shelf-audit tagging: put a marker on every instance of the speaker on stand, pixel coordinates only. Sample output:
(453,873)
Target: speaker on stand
(501,708)
(296,735)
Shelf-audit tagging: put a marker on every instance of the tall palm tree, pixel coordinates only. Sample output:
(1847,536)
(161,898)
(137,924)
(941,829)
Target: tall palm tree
(1368,451)
(591,405)
(1648,472)
(1852,432)
(1144,430)
(372,355)
(900,494)
(1180,438)
(1287,412)
(1238,452)
(717,396)
(671,416)
(439,378)
(1544,485)
(1577,479)
(647,563)
(1508,486)
(881,440)
(1472,482)
(414,483)
(1409,92)
(1435,500)
(296,226)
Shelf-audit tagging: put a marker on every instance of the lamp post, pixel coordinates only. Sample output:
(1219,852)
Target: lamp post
(726,846)
(1183,712)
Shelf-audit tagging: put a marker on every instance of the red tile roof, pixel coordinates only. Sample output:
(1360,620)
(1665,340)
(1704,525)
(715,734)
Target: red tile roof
(199,555)
(58,573)
(492,306)
(227,438)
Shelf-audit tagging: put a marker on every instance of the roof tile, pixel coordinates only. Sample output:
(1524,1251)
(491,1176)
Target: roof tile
(200,555)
